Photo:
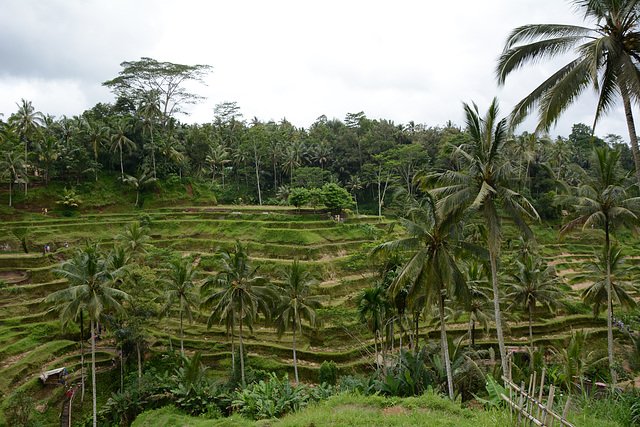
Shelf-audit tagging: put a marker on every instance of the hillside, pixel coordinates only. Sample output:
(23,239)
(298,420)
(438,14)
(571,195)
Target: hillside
(33,341)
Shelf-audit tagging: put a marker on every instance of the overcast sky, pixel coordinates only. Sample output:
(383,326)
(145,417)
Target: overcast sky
(400,60)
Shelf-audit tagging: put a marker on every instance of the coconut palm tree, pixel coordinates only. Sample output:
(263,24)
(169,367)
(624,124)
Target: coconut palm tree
(432,271)
(532,282)
(354,184)
(606,58)
(90,276)
(142,179)
(484,184)
(236,290)
(295,303)
(48,151)
(372,307)
(603,199)
(119,140)
(596,270)
(13,166)
(96,133)
(217,157)
(148,111)
(479,307)
(135,240)
(27,121)
(180,282)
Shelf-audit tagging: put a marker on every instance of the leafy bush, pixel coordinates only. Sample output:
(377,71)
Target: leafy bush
(328,373)
(272,398)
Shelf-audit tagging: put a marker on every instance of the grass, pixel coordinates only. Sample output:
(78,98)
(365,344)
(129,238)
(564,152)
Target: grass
(351,410)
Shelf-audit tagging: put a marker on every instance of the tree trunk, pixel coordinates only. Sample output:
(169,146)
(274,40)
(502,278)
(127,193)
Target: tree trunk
(169,332)
(633,139)
(10,179)
(496,304)
(445,346)
(233,346)
(82,353)
(93,374)
(531,332)
(614,375)
(121,372)
(121,165)
(181,335)
(244,384)
(139,362)
(295,361)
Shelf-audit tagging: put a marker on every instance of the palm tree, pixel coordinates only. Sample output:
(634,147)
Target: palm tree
(96,133)
(142,179)
(90,276)
(180,282)
(432,271)
(607,57)
(135,240)
(48,151)
(217,157)
(484,184)
(596,293)
(295,303)
(119,140)
(148,111)
(479,307)
(354,184)
(236,292)
(13,166)
(603,200)
(27,122)
(372,307)
(532,281)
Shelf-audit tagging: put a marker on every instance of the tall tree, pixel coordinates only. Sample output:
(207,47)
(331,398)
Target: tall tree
(28,122)
(237,289)
(596,271)
(296,303)
(530,283)
(90,276)
(432,271)
(13,166)
(603,199)
(607,57)
(120,141)
(165,80)
(180,282)
(484,184)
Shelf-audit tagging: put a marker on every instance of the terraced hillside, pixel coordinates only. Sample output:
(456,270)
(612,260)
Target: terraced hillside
(32,341)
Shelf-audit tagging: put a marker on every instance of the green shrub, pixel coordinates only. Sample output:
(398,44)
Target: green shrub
(328,373)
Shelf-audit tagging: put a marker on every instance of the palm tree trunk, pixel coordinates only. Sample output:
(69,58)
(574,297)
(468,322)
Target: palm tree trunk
(470,333)
(633,140)
(10,180)
(121,372)
(614,375)
(181,335)
(244,384)
(82,353)
(93,374)
(496,305)
(121,165)
(233,346)
(139,362)
(295,361)
(531,332)
(169,332)
(445,346)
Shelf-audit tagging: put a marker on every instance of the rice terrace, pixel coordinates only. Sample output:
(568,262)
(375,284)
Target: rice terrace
(248,272)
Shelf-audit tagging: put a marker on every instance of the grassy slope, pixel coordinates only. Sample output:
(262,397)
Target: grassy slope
(350,410)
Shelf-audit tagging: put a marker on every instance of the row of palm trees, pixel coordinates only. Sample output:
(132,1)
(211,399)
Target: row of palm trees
(235,295)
